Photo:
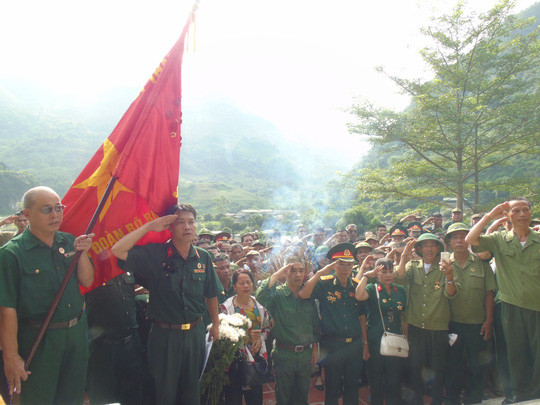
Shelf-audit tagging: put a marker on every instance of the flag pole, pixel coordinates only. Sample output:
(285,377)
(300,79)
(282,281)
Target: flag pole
(68,275)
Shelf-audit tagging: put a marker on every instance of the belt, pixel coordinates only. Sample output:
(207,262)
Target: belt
(183,326)
(340,339)
(297,348)
(120,342)
(56,325)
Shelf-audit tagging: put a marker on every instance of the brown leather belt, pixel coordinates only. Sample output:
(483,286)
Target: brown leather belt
(183,326)
(297,348)
(56,325)
(340,339)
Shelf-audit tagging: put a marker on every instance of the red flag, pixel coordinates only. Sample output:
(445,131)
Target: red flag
(143,155)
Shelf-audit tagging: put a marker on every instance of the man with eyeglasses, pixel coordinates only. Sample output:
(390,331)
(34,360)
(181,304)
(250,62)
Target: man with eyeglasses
(183,285)
(20,222)
(32,267)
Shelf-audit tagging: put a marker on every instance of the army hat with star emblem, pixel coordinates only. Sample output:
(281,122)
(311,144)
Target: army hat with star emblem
(455,227)
(222,236)
(342,251)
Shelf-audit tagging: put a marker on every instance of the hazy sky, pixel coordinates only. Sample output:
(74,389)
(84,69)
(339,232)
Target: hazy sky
(295,63)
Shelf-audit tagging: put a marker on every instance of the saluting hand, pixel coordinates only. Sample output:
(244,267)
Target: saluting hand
(162,223)
(327,269)
(499,211)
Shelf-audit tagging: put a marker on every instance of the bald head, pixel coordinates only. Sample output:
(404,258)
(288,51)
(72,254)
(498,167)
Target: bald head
(29,198)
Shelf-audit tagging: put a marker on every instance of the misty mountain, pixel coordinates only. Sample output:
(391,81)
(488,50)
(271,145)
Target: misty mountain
(226,153)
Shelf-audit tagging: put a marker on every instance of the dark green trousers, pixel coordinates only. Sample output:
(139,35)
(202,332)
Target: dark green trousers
(469,344)
(384,376)
(522,333)
(293,376)
(175,361)
(115,372)
(59,366)
(427,358)
(341,360)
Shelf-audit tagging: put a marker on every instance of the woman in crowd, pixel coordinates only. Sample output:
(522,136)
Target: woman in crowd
(255,348)
(384,372)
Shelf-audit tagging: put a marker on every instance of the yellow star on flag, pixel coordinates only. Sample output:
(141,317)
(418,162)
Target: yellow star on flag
(101,177)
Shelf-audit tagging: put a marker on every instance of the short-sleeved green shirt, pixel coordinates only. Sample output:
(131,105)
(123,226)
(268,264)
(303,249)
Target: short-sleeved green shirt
(339,307)
(428,306)
(31,273)
(475,278)
(518,267)
(392,306)
(177,286)
(112,313)
(295,319)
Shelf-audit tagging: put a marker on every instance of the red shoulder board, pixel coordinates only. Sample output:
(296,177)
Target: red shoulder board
(169,252)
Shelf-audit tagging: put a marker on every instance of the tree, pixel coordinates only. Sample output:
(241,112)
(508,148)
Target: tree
(480,109)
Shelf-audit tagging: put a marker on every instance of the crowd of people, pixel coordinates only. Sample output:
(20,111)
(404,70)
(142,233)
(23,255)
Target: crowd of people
(464,295)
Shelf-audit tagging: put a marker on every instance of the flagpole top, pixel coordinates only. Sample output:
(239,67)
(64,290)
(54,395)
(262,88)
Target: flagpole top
(195,6)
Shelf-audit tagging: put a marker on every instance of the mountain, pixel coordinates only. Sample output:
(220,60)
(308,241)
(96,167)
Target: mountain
(226,154)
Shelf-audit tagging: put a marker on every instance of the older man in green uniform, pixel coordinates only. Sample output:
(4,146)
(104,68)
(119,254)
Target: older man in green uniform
(115,364)
(471,318)
(182,285)
(517,254)
(341,330)
(296,330)
(428,313)
(32,267)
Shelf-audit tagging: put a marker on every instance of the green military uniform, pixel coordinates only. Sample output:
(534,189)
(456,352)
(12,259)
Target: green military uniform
(467,314)
(296,327)
(518,270)
(115,364)
(384,372)
(224,295)
(341,337)
(428,315)
(31,273)
(177,289)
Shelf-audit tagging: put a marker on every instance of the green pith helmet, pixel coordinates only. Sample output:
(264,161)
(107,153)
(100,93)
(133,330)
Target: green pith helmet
(428,236)
(455,227)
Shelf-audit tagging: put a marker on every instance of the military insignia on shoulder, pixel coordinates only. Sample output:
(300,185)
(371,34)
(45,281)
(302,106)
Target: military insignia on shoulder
(327,277)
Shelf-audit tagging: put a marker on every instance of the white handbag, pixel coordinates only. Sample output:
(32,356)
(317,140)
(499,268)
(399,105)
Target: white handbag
(392,344)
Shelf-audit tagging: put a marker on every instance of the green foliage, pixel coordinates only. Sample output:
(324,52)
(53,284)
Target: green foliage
(480,110)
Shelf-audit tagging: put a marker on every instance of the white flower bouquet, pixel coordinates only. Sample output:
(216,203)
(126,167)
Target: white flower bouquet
(232,333)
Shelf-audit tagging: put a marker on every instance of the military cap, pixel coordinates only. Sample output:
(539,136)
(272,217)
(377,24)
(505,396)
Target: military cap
(437,214)
(457,210)
(371,236)
(477,216)
(205,232)
(222,236)
(535,221)
(398,230)
(361,245)
(342,251)
(253,253)
(427,236)
(455,227)
(257,242)
(415,226)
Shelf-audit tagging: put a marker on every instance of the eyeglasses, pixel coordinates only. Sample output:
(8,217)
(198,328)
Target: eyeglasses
(48,209)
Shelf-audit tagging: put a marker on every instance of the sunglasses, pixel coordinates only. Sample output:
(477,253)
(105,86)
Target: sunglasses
(48,209)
